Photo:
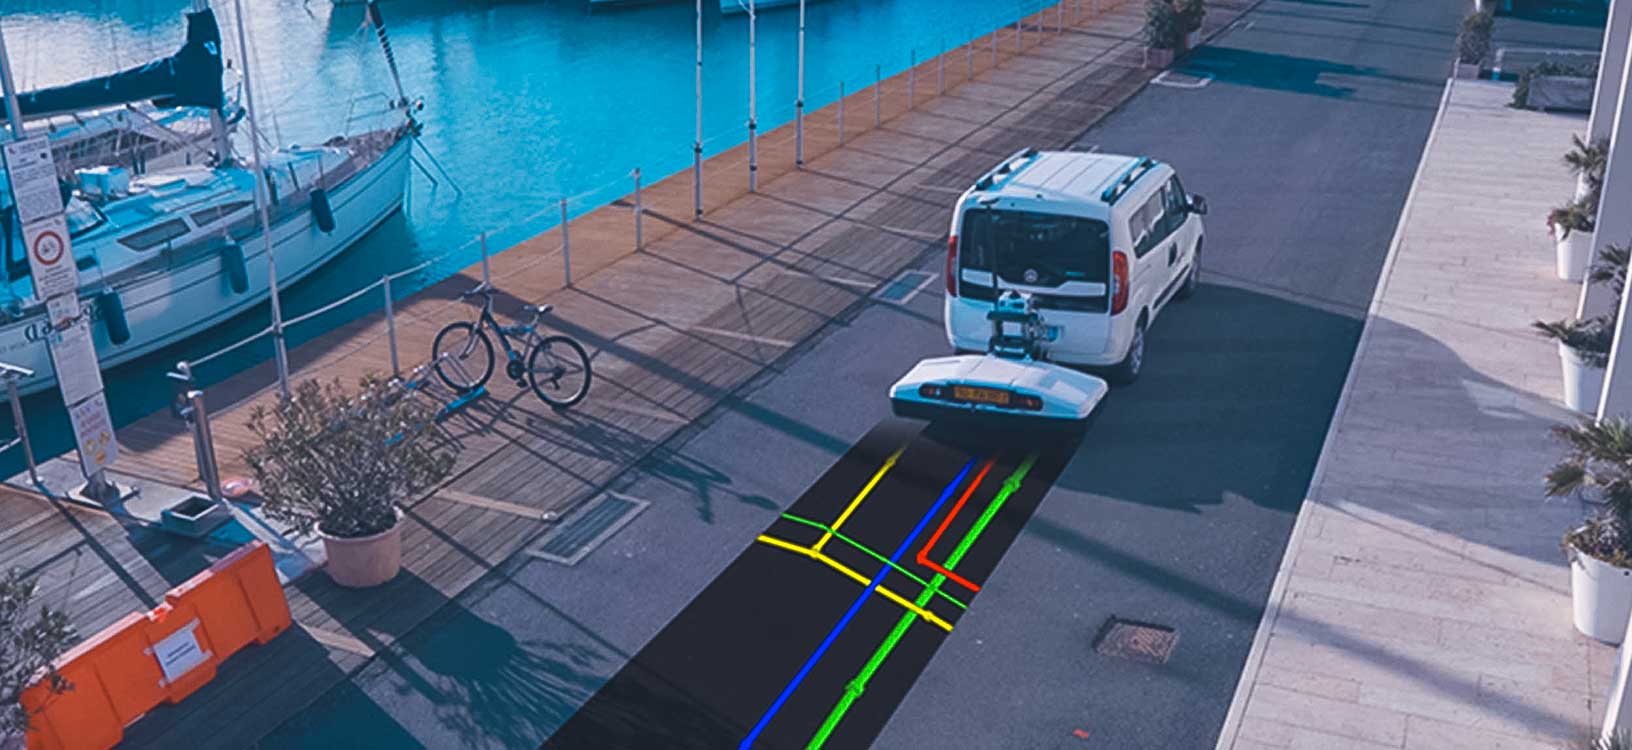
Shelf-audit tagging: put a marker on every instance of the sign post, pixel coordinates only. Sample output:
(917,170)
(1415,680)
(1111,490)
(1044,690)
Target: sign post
(33,176)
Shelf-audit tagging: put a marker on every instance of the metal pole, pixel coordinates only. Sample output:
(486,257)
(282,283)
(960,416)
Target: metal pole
(391,325)
(841,113)
(14,113)
(1019,38)
(697,145)
(912,80)
(799,104)
(640,211)
(753,98)
(878,87)
(970,49)
(204,446)
(994,48)
(566,243)
(487,274)
(261,198)
(22,426)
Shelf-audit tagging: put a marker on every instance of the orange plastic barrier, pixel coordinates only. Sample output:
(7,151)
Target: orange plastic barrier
(162,656)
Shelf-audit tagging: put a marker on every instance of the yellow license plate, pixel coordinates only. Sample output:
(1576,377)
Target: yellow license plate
(981,395)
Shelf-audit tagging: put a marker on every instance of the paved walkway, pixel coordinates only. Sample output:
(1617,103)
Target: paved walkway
(1423,601)
(674,330)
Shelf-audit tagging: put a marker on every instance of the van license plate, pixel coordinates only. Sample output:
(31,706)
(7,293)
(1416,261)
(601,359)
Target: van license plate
(981,395)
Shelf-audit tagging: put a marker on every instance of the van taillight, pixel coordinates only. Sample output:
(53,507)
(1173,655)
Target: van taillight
(952,265)
(1119,282)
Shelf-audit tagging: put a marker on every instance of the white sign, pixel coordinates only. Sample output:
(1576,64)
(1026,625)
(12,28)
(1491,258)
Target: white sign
(62,310)
(50,257)
(74,355)
(93,434)
(33,176)
(179,653)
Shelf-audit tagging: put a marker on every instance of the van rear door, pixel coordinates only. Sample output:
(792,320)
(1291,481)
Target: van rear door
(1063,261)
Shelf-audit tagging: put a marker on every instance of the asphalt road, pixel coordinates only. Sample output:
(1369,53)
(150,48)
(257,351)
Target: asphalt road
(1174,510)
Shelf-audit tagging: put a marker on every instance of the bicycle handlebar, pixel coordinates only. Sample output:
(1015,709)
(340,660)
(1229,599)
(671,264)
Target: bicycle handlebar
(485,290)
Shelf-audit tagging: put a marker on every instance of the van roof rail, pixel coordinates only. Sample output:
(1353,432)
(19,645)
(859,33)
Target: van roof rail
(1127,179)
(1007,168)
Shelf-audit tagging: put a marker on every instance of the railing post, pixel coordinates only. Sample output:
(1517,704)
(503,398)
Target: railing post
(841,113)
(940,70)
(1019,37)
(912,80)
(566,243)
(487,274)
(878,88)
(970,47)
(640,210)
(22,426)
(391,326)
(994,48)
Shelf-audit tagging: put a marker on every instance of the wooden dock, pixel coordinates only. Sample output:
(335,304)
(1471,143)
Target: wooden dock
(673,329)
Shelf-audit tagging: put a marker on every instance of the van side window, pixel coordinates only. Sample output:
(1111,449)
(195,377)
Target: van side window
(1147,225)
(1177,206)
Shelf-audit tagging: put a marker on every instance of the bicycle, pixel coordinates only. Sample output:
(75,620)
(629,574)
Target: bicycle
(553,366)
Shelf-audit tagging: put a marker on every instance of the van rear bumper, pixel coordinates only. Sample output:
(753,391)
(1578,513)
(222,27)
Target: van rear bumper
(1086,339)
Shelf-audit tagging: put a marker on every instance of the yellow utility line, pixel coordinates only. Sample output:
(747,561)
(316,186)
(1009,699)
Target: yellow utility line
(889,463)
(858,578)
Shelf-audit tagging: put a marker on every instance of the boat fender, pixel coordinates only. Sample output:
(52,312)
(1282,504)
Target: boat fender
(113,313)
(321,212)
(232,260)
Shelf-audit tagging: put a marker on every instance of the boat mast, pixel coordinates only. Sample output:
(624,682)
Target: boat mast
(14,112)
(261,200)
(218,124)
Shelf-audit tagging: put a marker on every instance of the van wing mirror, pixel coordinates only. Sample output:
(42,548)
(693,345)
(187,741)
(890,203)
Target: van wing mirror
(1198,205)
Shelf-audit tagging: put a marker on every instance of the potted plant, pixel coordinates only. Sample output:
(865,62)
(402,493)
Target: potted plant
(1587,161)
(1598,458)
(340,463)
(1164,33)
(1571,226)
(1473,42)
(1552,85)
(1583,345)
(1192,13)
(31,639)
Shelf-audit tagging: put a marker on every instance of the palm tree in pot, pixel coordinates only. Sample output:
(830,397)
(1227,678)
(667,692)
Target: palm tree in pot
(31,639)
(1584,344)
(1473,42)
(1192,14)
(1572,224)
(1598,461)
(340,463)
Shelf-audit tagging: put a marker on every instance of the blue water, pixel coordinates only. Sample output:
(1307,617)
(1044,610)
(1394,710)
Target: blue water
(525,103)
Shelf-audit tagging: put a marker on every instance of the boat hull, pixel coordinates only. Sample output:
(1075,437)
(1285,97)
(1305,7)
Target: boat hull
(169,305)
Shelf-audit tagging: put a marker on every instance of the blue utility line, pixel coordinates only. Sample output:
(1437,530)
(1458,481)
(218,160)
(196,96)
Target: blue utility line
(748,742)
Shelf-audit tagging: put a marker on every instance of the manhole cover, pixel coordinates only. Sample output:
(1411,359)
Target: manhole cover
(580,534)
(1138,641)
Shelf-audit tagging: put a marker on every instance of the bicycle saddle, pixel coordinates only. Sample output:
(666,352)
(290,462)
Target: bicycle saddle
(539,309)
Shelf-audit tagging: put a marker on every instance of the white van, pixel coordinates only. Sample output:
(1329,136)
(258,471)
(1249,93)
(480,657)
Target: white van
(1101,242)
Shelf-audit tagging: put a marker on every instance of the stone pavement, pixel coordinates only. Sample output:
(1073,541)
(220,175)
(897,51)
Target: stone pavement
(1423,601)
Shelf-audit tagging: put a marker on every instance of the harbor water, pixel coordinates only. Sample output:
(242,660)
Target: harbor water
(525,102)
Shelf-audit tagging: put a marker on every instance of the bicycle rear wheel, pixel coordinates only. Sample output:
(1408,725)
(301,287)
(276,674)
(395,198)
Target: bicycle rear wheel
(463,356)
(558,369)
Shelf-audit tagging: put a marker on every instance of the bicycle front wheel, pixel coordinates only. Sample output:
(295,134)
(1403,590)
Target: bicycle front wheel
(463,356)
(558,368)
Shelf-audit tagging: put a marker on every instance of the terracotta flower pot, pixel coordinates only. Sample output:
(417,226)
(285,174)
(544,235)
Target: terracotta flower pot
(361,562)
(1157,57)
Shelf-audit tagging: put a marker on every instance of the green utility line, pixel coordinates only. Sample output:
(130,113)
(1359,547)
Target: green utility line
(874,555)
(853,690)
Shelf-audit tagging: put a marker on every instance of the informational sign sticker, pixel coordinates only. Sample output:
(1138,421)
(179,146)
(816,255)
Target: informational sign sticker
(50,257)
(179,652)
(74,355)
(93,434)
(33,175)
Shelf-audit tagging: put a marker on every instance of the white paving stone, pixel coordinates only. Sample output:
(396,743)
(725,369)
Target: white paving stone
(1424,601)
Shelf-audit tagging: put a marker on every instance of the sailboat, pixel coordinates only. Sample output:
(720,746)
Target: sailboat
(170,253)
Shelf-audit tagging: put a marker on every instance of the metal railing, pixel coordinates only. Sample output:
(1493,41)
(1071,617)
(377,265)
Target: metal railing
(610,192)
(12,374)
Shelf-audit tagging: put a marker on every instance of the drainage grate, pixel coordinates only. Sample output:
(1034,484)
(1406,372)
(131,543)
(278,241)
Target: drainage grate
(1137,641)
(904,286)
(579,535)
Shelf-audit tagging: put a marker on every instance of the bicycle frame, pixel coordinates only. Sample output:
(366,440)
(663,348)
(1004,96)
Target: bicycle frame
(527,333)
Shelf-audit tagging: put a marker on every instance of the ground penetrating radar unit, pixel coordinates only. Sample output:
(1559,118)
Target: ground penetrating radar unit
(1008,386)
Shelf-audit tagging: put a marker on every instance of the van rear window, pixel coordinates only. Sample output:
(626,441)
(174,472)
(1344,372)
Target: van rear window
(1035,249)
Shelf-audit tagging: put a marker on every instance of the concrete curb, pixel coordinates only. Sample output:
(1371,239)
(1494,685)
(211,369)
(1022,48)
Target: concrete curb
(1277,592)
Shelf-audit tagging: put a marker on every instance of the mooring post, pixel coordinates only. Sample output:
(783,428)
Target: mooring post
(204,445)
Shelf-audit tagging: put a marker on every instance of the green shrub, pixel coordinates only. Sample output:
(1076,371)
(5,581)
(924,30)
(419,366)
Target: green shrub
(30,641)
(1521,91)
(1164,28)
(1473,43)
